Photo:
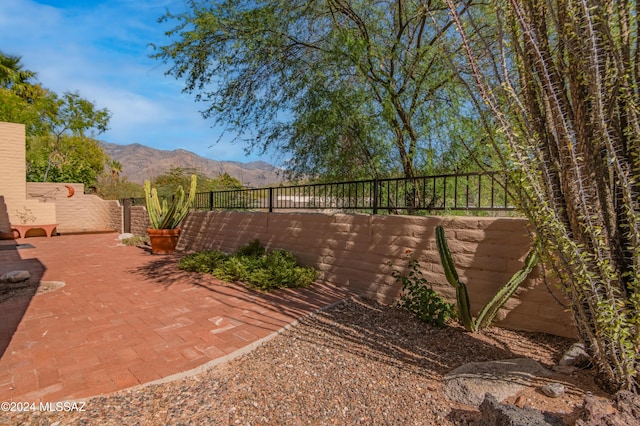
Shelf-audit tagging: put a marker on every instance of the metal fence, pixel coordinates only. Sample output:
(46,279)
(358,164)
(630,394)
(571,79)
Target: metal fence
(472,192)
(486,191)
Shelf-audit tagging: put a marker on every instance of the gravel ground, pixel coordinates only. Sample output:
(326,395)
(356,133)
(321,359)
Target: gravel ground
(358,362)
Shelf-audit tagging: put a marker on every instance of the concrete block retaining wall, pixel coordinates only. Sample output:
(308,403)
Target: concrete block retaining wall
(360,252)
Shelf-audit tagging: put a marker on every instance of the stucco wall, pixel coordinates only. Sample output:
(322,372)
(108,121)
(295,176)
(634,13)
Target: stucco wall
(75,210)
(360,251)
(15,207)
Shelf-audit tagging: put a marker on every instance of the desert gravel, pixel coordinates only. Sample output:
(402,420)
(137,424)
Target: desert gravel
(358,362)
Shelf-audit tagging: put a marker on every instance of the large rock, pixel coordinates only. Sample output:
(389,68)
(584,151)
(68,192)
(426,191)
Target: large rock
(497,414)
(576,356)
(15,277)
(603,412)
(553,390)
(470,382)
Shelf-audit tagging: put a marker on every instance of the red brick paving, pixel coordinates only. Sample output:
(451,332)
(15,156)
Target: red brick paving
(125,317)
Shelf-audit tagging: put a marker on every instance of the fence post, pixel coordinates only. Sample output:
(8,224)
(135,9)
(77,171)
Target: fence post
(375,196)
(126,205)
(270,200)
(210,200)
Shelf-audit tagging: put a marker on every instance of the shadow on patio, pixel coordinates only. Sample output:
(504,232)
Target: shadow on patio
(15,297)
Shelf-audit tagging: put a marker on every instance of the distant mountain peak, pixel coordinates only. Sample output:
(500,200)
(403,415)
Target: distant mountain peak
(140,162)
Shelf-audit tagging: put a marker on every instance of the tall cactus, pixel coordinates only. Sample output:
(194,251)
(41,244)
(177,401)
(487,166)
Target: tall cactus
(163,215)
(488,313)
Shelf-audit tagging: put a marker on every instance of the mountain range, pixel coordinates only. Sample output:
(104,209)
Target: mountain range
(141,162)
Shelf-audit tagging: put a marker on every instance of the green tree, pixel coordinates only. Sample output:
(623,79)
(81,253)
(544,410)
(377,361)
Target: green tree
(74,116)
(16,109)
(564,89)
(167,183)
(77,159)
(223,181)
(115,168)
(22,100)
(12,74)
(109,188)
(349,89)
(59,145)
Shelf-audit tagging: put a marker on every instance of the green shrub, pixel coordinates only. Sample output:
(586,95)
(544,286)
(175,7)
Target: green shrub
(253,249)
(204,262)
(253,265)
(136,240)
(233,269)
(280,269)
(420,299)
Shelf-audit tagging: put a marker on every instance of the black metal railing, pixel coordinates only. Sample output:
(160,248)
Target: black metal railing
(487,191)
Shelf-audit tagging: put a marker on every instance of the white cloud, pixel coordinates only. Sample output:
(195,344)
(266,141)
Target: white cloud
(102,52)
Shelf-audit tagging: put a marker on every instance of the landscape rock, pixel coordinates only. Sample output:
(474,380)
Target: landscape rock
(469,383)
(603,412)
(553,390)
(576,356)
(15,277)
(564,369)
(494,413)
(629,403)
(125,236)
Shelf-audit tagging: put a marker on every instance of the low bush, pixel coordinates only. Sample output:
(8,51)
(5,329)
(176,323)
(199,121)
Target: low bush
(253,265)
(420,299)
(136,240)
(205,261)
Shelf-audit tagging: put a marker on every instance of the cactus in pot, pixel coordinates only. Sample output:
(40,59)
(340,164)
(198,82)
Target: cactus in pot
(165,217)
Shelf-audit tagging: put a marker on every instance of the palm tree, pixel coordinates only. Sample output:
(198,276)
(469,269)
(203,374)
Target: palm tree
(116,169)
(12,74)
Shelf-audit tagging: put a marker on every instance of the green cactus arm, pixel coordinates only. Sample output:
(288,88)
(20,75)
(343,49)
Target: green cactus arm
(170,213)
(462,296)
(165,215)
(464,308)
(153,204)
(491,309)
(446,259)
(186,205)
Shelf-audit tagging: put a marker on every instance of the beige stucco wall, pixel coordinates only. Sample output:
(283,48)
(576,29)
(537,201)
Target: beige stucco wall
(360,251)
(79,212)
(15,207)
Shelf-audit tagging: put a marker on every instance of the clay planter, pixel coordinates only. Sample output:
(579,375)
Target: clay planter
(163,241)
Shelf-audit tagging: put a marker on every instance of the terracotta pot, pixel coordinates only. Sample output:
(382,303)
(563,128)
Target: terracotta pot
(163,241)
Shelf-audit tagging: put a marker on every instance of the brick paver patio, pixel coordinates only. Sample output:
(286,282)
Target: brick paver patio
(125,317)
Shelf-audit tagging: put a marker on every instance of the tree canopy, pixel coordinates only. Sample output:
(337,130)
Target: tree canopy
(341,89)
(60,129)
(167,183)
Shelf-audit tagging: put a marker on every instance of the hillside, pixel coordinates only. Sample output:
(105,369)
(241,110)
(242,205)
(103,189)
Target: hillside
(140,162)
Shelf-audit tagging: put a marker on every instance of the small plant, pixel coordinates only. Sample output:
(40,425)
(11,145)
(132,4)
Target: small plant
(136,240)
(163,215)
(204,262)
(253,265)
(488,313)
(420,299)
(253,249)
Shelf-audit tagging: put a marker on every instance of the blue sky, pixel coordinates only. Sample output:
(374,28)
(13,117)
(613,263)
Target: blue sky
(101,49)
